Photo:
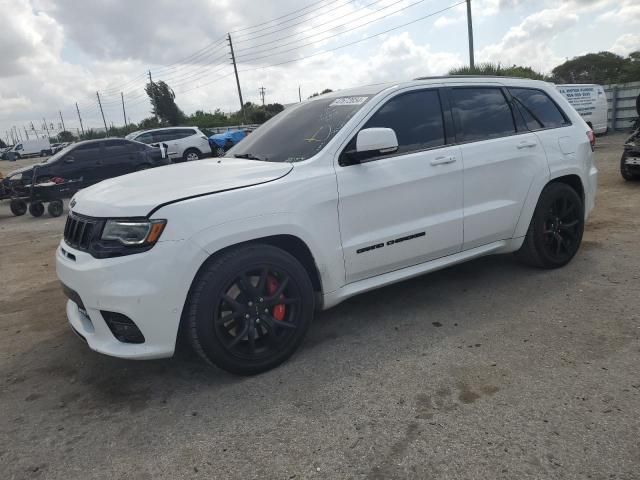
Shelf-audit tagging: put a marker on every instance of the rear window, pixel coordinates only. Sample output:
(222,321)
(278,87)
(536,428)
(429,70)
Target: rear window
(538,110)
(481,113)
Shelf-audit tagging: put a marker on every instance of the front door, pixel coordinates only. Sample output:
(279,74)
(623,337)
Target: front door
(404,208)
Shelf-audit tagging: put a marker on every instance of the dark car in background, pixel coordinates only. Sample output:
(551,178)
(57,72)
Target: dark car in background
(90,162)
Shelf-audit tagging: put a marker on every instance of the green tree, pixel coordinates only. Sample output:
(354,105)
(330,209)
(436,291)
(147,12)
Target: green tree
(631,69)
(495,69)
(66,136)
(2,144)
(164,105)
(316,94)
(600,68)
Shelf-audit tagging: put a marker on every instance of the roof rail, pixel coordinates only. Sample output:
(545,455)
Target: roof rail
(439,77)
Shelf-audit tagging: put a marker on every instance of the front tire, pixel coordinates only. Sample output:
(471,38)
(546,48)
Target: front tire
(249,309)
(556,229)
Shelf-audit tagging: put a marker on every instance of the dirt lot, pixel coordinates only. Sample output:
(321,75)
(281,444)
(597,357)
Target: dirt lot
(487,370)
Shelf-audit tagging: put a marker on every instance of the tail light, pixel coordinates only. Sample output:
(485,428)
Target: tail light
(592,139)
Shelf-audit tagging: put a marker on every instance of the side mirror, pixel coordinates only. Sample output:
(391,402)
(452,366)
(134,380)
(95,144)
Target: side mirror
(370,142)
(377,140)
(69,160)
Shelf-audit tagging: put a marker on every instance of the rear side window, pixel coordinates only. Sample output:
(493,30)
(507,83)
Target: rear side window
(538,110)
(416,117)
(145,138)
(480,114)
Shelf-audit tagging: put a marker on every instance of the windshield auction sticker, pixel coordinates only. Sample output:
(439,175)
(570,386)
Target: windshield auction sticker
(348,101)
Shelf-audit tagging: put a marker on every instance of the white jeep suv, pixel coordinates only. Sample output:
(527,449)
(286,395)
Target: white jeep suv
(183,143)
(338,195)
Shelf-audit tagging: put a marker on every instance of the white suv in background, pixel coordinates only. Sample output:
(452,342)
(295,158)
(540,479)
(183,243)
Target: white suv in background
(335,196)
(184,143)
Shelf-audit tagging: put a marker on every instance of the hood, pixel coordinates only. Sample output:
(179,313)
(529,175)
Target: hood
(137,194)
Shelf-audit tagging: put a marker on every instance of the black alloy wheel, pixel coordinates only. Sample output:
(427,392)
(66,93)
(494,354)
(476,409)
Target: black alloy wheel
(256,312)
(556,229)
(562,226)
(249,309)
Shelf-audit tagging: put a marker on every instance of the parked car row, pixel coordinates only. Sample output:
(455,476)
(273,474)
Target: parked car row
(184,143)
(88,162)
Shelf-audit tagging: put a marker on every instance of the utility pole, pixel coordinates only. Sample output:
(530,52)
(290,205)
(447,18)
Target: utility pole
(25,132)
(106,129)
(153,95)
(13,142)
(262,90)
(235,69)
(79,118)
(62,120)
(124,114)
(470,33)
(299,94)
(46,127)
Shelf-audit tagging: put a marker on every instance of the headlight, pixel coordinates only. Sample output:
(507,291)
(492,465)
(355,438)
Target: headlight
(133,232)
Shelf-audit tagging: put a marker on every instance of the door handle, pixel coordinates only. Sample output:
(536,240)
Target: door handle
(443,160)
(526,144)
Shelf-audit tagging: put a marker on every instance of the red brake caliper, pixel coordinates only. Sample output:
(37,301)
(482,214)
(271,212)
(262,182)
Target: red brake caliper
(278,311)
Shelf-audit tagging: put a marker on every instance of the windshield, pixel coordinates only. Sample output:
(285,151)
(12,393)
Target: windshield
(58,154)
(299,132)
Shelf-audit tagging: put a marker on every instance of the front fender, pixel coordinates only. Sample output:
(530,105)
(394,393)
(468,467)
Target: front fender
(218,237)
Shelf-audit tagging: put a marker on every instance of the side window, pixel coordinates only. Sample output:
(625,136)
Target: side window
(538,110)
(145,138)
(86,152)
(416,117)
(480,113)
(116,147)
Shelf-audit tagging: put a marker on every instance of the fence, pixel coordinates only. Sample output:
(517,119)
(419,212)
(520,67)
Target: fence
(622,104)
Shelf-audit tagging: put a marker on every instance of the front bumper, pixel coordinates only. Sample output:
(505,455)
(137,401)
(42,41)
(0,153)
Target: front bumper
(150,288)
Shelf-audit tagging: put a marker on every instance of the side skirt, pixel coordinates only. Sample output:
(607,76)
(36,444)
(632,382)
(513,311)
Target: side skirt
(333,298)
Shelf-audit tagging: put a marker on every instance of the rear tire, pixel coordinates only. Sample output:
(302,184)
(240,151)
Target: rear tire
(556,228)
(191,155)
(18,207)
(249,309)
(36,209)
(55,208)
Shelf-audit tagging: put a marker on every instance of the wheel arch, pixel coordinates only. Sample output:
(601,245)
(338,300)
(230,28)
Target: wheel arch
(291,244)
(571,178)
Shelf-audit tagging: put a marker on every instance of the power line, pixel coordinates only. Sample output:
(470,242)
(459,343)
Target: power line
(250,37)
(330,29)
(424,17)
(330,36)
(278,18)
(311,28)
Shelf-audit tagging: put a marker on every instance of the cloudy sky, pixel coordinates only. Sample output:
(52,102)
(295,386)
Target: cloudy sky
(54,53)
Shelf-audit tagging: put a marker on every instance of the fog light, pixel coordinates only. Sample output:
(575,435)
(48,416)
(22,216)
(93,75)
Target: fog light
(122,327)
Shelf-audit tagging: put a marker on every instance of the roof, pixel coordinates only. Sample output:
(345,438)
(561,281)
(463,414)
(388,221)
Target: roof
(379,87)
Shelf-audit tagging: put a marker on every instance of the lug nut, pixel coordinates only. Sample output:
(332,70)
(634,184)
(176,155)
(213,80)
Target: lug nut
(247,316)
(251,304)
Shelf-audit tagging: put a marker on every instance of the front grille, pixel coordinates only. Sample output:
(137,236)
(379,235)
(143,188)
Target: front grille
(80,231)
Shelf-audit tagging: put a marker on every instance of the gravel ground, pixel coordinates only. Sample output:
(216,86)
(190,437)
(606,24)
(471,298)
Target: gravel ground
(485,370)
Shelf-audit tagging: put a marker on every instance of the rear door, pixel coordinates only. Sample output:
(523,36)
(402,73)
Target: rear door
(403,208)
(501,159)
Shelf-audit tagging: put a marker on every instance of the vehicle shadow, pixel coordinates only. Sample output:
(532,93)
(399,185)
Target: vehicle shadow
(340,340)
